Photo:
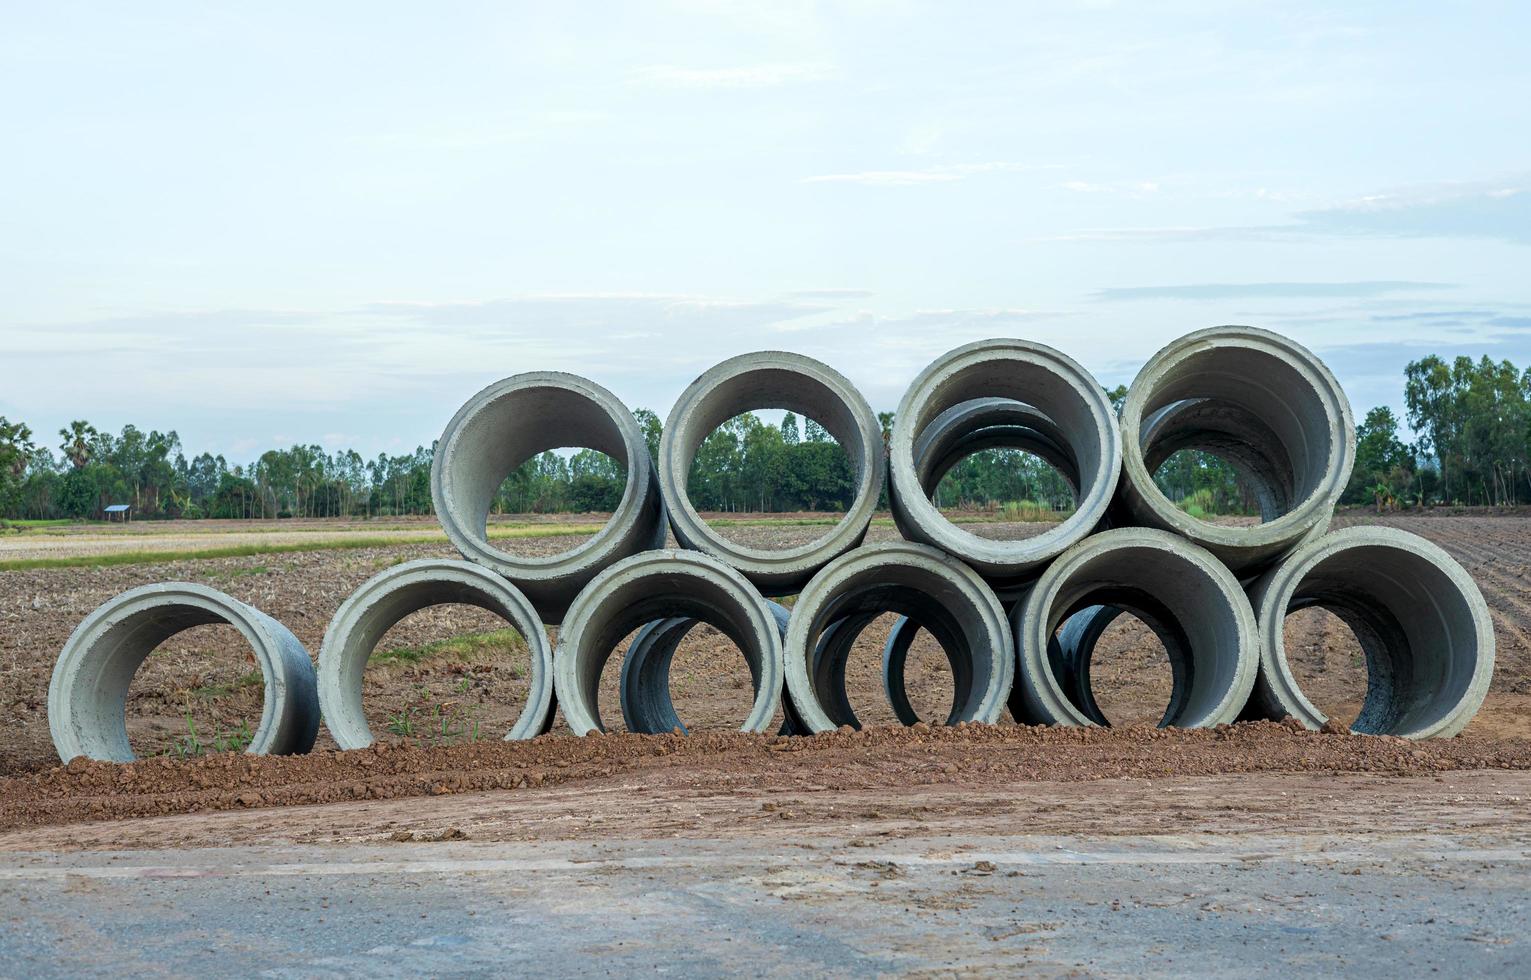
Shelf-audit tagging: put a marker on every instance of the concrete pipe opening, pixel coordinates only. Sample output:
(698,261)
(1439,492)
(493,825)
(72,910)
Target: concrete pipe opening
(648,703)
(772,380)
(1080,421)
(1419,618)
(387,598)
(1212,639)
(507,424)
(991,423)
(650,588)
(88,693)
(931,588)
(1071,654)
(1264,405)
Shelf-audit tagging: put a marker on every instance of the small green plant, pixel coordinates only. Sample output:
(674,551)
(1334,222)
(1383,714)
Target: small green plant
(403,723)
(190,744)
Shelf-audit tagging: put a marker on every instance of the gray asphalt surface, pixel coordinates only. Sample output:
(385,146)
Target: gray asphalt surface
(1224,904)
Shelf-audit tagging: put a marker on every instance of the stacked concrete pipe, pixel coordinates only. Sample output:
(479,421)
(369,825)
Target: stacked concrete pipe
(1263,403)
(394,593)
(1018,620)
(507,424)
(772,379)
(1420,619)
(653,587)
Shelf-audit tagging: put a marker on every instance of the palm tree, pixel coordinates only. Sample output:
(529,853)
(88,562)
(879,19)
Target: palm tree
(77,439)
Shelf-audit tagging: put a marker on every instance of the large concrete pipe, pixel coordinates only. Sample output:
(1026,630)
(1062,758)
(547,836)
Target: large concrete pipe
(508,423)
(772,379)
(1419,618)
(88,694)
(1062,393)
(1161,579)
(657,586)
(990,423)
(388,597)
(647,705)
(925,584)
(1069,655)
(1265,405)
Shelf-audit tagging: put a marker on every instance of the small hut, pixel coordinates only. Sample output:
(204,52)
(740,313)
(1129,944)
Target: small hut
(119,512)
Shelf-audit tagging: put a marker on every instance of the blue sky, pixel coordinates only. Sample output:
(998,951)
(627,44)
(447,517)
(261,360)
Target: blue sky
(268,223)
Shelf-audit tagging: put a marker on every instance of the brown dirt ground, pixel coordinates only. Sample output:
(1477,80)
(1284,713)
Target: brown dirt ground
(458,697)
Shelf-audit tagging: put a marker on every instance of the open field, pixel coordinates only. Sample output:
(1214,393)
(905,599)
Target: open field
(888,850)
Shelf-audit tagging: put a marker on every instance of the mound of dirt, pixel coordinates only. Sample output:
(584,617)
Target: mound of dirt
(890,758)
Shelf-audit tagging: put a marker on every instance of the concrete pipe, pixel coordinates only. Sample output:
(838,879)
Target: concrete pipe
(1070,652)
(388,597)
(1161,579)
(1060,391)
(930,587)
(655,586)
(647,705)
(88,693)
(990,423)
(508,423)
(772,379)
(1419,618)
(1265,405)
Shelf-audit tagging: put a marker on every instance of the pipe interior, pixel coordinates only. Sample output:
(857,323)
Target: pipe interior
(641,601)
(1251,408)
(517,425)
(774,388)
(380,616)
(1071,651)
(946,612)
(1199,625)
(98,700)
(1414,625)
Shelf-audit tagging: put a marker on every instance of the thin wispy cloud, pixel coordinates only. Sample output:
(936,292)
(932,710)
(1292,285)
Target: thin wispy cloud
(732,77)
(1498,209)
(1268,290)
(928,175)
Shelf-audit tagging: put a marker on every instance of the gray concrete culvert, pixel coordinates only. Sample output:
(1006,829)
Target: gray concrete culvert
(87,695)
(1263,403)
(1060,392)
(1418,616)
(922,583)
(768,380)
(656,586)
(1162,579)
(647,705)
(991,423)
(385,599)
(508,423)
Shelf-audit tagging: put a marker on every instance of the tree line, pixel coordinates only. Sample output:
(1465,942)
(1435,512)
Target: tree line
(1472,421)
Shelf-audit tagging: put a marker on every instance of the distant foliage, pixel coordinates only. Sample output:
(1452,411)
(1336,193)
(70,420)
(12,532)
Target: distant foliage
(1472,420)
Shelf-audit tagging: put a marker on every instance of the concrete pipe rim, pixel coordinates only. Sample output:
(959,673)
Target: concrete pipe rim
(722,392)
(86,717)
(956,377)
(644,685)
(990,423)
(550,581)
(826,597)
(1316,505)
(391,596)
(658,585)
(1274,592)
(1041,613)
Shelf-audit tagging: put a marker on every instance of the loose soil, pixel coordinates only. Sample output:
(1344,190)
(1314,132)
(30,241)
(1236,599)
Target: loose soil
(452,679)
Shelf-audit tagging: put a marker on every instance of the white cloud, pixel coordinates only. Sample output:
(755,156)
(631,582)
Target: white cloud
(737,77)
(927,175)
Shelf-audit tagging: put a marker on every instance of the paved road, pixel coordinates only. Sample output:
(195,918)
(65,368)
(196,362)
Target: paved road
(1225,904)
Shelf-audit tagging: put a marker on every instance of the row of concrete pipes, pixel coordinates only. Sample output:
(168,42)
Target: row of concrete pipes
(1017,619)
